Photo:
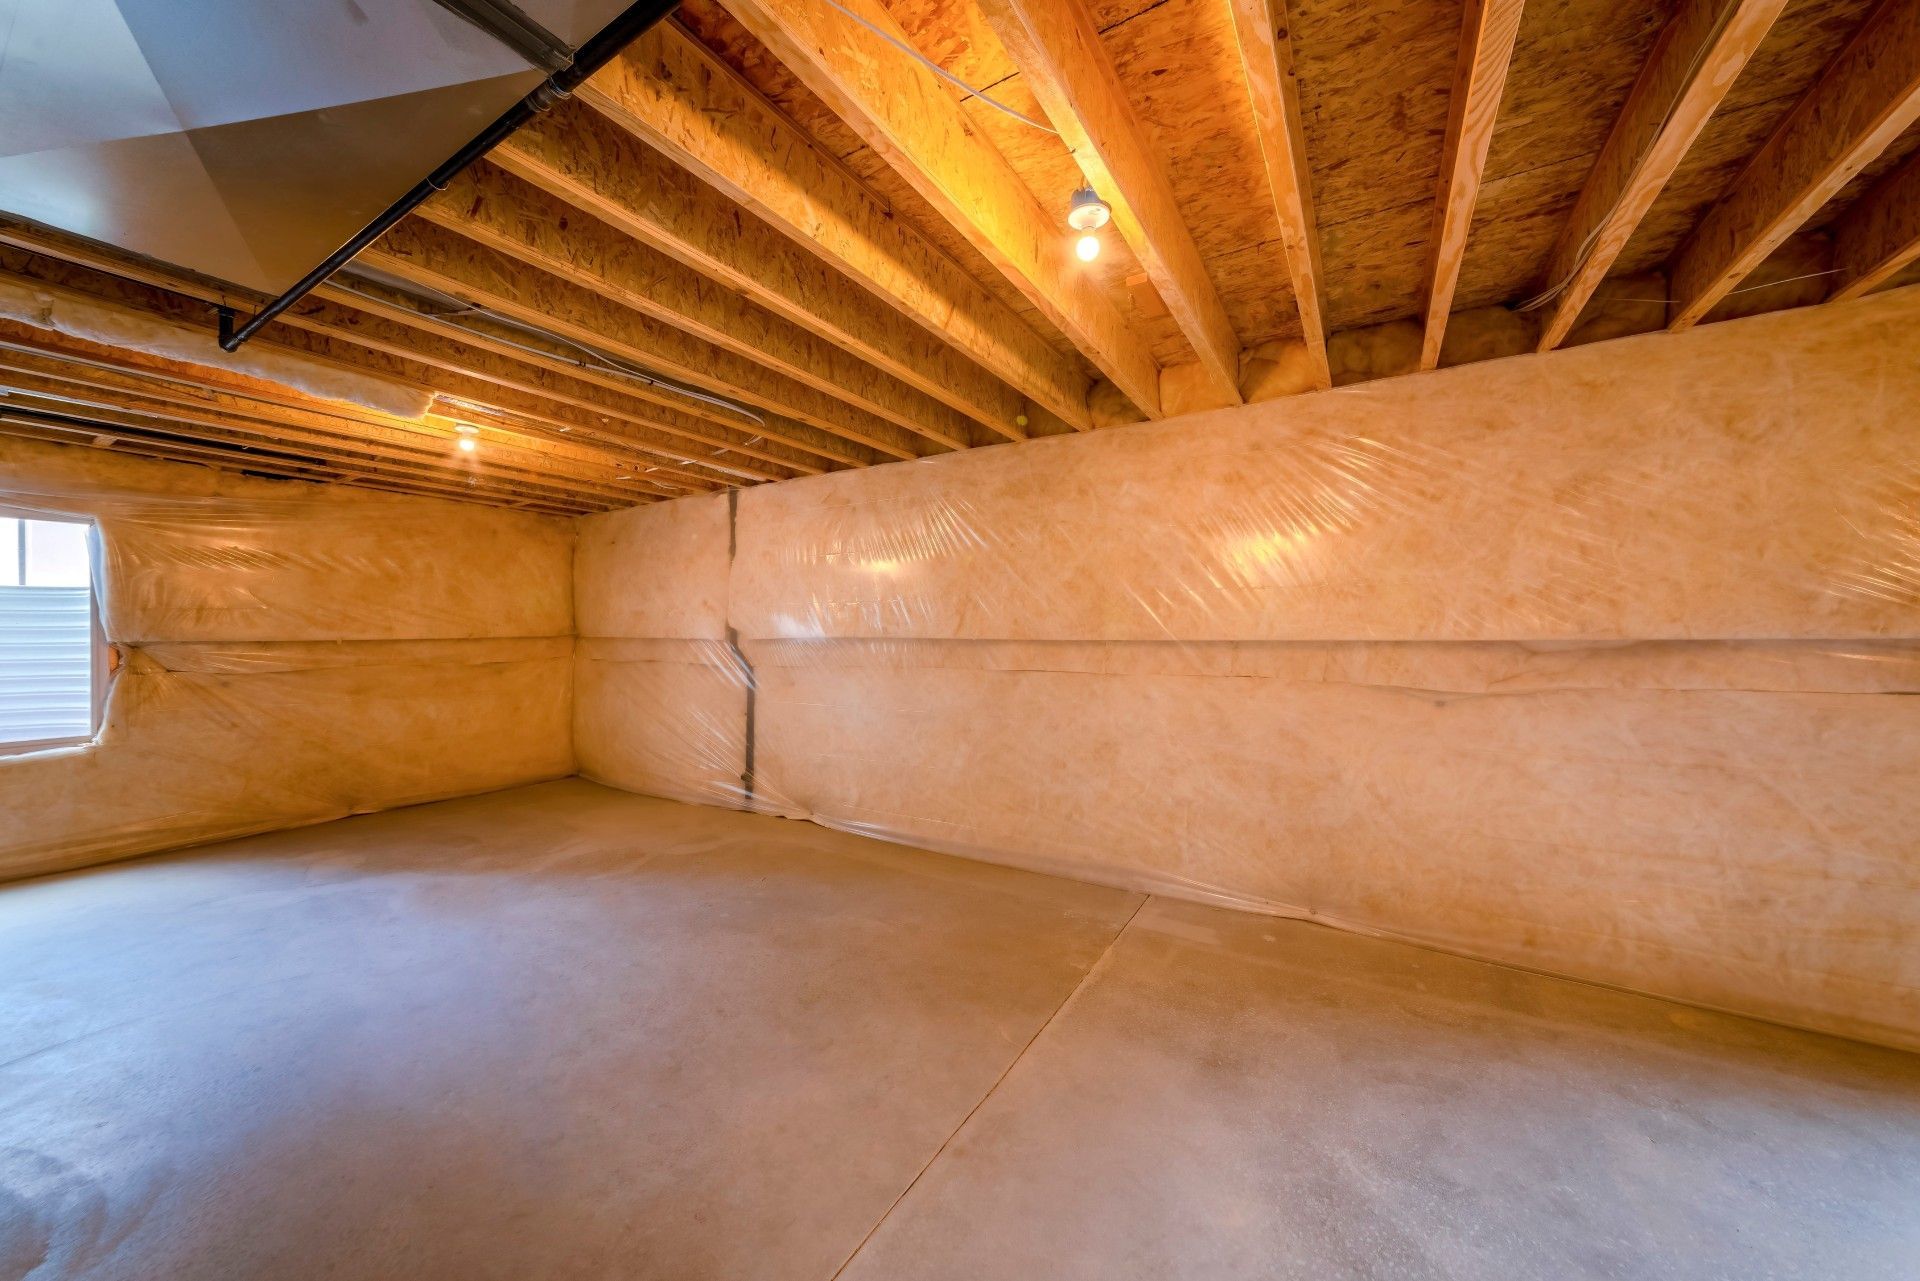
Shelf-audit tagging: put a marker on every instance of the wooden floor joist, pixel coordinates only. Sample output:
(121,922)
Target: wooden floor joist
(1867,96)
(1700,52)
(363,328)
(554,420)
(571,428)
(435,258)
(32,352)
(421,460)
(913,123)
(1880,235)
(775,238)
(430,445)
(582,158)
(503,212)
(1266,61)
(676,97)
(279,464)
(675,414)
(1057,48)
(1487,33)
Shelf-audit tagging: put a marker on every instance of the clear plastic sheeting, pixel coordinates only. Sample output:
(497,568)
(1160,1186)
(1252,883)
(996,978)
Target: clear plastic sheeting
(288,653)
(1598,663)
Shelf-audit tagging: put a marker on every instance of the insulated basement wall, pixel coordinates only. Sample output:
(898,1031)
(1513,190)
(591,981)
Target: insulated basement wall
(1598,662)
(290,653)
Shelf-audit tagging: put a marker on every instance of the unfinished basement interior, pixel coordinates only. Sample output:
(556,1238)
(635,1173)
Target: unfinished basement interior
(959,640)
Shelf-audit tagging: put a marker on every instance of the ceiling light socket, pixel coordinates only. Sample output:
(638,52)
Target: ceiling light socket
(1086,211)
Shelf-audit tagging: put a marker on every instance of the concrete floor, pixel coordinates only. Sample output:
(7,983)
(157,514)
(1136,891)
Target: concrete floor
(564,1032)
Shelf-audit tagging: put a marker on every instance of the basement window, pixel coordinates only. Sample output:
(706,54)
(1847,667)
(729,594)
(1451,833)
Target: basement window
(51,651)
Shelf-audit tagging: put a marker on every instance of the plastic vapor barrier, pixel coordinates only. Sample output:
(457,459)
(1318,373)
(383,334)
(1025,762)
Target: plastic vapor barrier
(286,653)
(1598,662)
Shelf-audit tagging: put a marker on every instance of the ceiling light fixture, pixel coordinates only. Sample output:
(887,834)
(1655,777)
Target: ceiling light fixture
(1087,213)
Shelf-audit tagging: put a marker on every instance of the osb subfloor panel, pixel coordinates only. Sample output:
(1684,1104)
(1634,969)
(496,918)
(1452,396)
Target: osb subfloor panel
(568,1032)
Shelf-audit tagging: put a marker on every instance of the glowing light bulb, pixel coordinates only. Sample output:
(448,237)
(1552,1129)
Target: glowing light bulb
(468,444)
(1087,248)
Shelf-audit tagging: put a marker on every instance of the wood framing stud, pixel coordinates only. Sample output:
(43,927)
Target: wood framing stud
(1057,48)
(1266,59)
(1866,98)
(909,118)
(1694,63)
(1487,33)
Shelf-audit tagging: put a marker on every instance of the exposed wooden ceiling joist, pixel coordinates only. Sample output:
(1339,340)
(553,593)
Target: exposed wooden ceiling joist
(547,418)
(677,415)
(283,463)
(906,115)
(582,158)
(46,368)
(670,92)
(430,256)
(1879,235)
(1058,51)
(517,219)
(1701,51)
(1866,97)
(1487,33)
(1266,59)
(365,328)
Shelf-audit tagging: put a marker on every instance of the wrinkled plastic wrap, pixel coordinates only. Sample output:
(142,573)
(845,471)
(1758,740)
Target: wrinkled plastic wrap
(287,654)
(1599,663)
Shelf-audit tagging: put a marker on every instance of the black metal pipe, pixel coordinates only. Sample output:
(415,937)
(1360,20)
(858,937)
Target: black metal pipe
(589,58)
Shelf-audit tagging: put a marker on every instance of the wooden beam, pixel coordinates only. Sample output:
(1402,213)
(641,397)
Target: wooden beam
(911,121)
(585,160)
(429,338)
(675,96)
(1487,33)
(1699,54)
(672,412)
(1266,59)
(555,421)
(520,220)
(429,256)
(1057,48)
(565,431)
(1866,97)
(377,333)
(264,460)
(49,353)
(181,408)
(1879,234)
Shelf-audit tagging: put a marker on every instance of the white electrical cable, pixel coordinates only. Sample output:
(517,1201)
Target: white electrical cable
(1771,284)
(941,71)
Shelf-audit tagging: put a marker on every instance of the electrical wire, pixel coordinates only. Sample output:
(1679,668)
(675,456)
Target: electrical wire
(1771,284)
(1553,291)
(941,71)
(453,308)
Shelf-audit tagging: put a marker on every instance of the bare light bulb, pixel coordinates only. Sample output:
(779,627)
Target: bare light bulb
(1087,248)
(468,444)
